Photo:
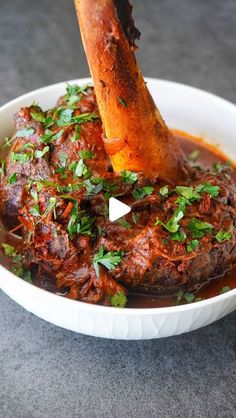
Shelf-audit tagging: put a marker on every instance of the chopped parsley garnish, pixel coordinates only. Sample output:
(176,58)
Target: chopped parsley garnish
(92,188)
(110,260)
(79,223)
(26,132)
(199,228)
(51,208)
(194,155)
(77,134)
(225,289)
(185,296)
(164,191)
(188,193)
(37,114)
(63,159)
(66,117)
(86,154)
(74,93)
(129,177)
(17,267)
(173,223)
(12,179)
(124,223)
(223,236)
(119,299)
(85,117)
(35,210)
(50,136)
(139,194)
(178,236)
(192,245)
(219,167)
(9,250)
(22,158)
(80,168)
(122,101)
(208,188)
(189,297)
(194,194)
(41,153)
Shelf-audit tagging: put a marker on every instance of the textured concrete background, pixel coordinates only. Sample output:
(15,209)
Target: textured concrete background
(49,372)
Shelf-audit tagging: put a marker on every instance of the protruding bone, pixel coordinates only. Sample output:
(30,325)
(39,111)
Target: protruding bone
(136,137)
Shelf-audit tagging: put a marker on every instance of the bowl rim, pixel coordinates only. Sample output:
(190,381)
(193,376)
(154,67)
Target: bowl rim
(110,309)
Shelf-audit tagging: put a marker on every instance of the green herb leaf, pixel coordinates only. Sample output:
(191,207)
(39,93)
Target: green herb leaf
(164,191)
(9,250)
(188,193)
(40,154)
(181,296)
(199,228)
(63,159)
(12,179)
(173,223)
(50,136)
(225,289)
(22,158)
(74,93)
(178,236)
(208,188)
(26,132)
(77,134)
(37,114)
(129,177)
(85,226)
(192,245)
(86,154)
(79,223)
(189,297)
(91,188)
(139,194)
(65,117)
(109,260)
(124,223)
(119,299)
(85,117)
(219,167)
(223,236)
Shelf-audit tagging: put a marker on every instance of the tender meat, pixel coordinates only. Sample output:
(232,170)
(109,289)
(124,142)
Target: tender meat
(56,187)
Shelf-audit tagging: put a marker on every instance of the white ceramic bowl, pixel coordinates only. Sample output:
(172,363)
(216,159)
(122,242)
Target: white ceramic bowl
(184,108)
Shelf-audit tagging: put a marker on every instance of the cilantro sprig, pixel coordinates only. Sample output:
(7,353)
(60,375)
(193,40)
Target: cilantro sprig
(222,236)
(139,194)
(119,299)
(199,228)
(110,260)
(172,225)
(129,177)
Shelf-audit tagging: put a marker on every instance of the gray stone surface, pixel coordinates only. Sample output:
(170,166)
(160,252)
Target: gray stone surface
(49,372)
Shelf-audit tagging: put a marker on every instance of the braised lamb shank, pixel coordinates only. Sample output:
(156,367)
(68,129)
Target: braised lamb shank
(64,164)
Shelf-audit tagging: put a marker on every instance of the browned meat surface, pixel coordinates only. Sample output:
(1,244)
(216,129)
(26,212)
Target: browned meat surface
(56,185)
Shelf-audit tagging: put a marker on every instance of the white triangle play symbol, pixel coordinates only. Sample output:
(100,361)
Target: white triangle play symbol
(117,209)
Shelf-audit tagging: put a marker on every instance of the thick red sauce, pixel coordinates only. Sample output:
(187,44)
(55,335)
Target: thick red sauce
(207,156)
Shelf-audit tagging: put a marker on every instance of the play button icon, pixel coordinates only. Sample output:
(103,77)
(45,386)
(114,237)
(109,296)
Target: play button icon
(117,209)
